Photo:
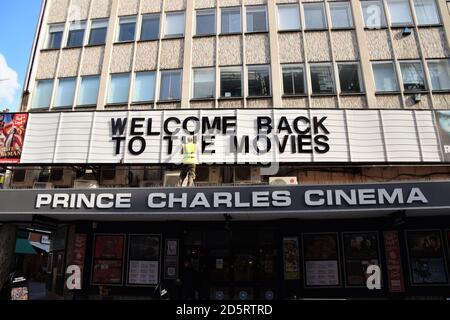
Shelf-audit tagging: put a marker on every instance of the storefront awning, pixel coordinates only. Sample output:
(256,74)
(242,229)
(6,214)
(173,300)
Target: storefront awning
(23,246)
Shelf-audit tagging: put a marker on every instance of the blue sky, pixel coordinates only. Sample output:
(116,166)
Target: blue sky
(18,19)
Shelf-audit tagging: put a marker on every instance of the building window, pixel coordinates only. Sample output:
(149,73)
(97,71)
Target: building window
(322,79)
(174,26)
(98,32)
(231,82)
(150,27)
(76,34)
(258,81)
(399,12)
(315,16)
(412,74)
(341,15)
(426,12)
(65,93)
(256,19)
(144,87)
(350,77)
(127,29)
(206,22)
(231,20)
(440,74)
(373,13)
(55,35)
(119,88)
(170,85)
(88,91)
(384,74)
(293,80)
(204,83)
(288,17)
(42,94)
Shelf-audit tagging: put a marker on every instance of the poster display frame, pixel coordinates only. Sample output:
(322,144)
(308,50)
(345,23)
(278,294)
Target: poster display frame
(175,256)
(299,271)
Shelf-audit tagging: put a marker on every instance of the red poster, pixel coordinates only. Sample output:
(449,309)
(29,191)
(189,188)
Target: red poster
(12,135)
(393,261)
(109,247)
(108,259)
(79,251)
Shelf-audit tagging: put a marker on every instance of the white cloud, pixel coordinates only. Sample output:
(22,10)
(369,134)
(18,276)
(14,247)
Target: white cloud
(9,83)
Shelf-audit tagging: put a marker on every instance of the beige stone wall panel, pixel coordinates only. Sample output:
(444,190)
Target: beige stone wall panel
(200,4)
(259,103)
(231,104)
(128,7)
(47,64)
(389,101)
(150,6)
(80,9)
(318,46)
(405,47)
(92,61)
(295,102)
(230,50)
(70,60)
(101,9)
(172,54)
(175,5)
(204,52)
(122,57)
(58,11)
(345,45)
(357,102)
(147,56)
(291,47)
(324,102)
(378,44)
(257,49)
(434,43)
(441,101)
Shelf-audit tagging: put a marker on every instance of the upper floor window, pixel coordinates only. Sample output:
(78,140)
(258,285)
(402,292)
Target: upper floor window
(206,22)
(65,93)
(412,75)
(341,15)
(42,94)
(88,91)
(257,19)
(440,74)
(204,83)
(231,20)
(98,32)
(399,12)
(150,27)
(426,12)
(322,78)
(350,77)
(119,88)
(373,13)
(231,82)
(315,16)
(144,87)
(170,85)
(174,26)
(55,35)
(384,74)
(76,34)
(293,80)
(288,17)
(127,29)
(258,81)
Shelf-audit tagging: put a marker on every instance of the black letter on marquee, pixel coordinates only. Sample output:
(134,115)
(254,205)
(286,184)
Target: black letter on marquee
(170,146)
(141,150)
(166,125)
(319,124)
(136,125)
(322,146)
(118,141)
(264,124)
(118,125)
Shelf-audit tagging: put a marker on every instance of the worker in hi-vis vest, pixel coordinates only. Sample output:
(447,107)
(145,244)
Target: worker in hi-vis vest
(189,163)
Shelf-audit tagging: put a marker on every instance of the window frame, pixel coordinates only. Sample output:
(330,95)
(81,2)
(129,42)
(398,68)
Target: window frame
(396,78)
(402,24)
(230,68)
(132,17)
(134,82)
(423,76)
(177,35)
(83,40)
(35,91)
(360,78)
(78,104)
(205,12)
(93,28)
(256,8)
(286,5)
(384,21)
(74,79)
(349,11)
(431,78)
(333,79)
(324,14)
(170,99)
(222,10)
(109,89)
(259,66)
(48,36)
(438,14)
(141,31)
(211,69)
(305,85)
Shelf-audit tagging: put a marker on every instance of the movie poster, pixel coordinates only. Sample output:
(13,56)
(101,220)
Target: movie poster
(79,251)
(393,261)
(144,260)
(426,254)
(108,259)
(321,259)
(291,259)
(443,128)
(12,135)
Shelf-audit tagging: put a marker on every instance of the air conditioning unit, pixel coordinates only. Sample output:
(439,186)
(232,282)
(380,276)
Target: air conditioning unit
(85,184)
(62,177)
(171,178)
(43,185)
(283,181)
(24,178)
(114,177)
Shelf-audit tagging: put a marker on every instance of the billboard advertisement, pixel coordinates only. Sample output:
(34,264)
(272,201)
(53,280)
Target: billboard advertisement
(12,135)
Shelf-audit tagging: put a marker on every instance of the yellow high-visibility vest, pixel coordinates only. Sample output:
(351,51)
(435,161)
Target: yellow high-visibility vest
(189,154)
